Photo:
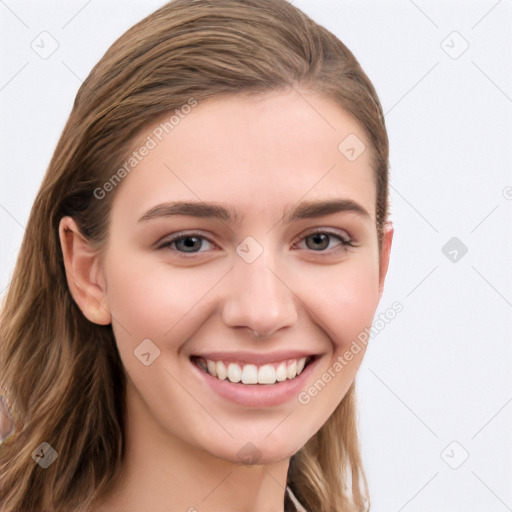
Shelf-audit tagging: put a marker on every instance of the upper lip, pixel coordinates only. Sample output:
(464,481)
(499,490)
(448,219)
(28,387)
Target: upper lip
(254,358)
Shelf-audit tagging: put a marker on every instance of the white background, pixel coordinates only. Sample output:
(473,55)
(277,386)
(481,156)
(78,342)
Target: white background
(441,370)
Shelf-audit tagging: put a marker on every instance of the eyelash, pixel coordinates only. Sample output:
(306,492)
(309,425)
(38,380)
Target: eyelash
(343,237)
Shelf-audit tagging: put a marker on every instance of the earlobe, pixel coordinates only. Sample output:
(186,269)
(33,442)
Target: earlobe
(387,239)
(84,273)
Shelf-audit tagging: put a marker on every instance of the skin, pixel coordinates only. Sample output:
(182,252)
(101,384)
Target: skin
(259,156)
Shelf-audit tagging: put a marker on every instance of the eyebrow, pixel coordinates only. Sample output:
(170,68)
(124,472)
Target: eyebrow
(304,210)
(192,209)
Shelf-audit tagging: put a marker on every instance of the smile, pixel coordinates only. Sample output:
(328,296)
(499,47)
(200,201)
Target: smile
(248,373)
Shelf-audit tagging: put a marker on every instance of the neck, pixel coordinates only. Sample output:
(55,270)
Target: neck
(162,473)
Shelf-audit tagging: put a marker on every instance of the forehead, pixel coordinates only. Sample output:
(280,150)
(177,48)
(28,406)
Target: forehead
(255,153)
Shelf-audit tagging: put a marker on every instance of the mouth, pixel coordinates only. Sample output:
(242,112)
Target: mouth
(244,373)
(262,381)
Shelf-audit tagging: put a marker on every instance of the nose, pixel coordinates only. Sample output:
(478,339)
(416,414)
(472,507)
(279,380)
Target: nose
(258,298)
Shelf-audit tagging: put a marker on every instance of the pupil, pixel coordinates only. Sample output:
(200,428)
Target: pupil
(321,239)
(190,243)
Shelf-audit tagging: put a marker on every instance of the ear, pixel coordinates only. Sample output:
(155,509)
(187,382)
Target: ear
(84,273)
(387,239)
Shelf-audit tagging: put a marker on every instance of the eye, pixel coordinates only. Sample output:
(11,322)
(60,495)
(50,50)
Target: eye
(321,241)
(324,241)
(191,243)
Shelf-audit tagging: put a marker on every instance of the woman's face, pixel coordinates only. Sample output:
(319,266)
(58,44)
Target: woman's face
(244,242)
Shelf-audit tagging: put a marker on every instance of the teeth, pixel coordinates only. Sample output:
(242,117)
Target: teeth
(281,372)
(291,370)
(234,372)
(252,374)
(221,370)
(212,367)
(266,374)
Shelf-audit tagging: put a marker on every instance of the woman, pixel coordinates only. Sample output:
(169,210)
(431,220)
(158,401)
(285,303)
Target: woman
(209,241)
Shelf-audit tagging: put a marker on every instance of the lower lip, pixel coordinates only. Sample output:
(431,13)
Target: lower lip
(258,395)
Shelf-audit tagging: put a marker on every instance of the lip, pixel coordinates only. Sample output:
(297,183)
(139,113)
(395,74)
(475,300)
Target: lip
(258,395)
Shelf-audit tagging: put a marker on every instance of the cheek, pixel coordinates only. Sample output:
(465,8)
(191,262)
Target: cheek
(155,300)
(343,298)
(343,303)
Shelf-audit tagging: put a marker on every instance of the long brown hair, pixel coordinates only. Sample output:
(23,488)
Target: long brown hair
(61,374)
